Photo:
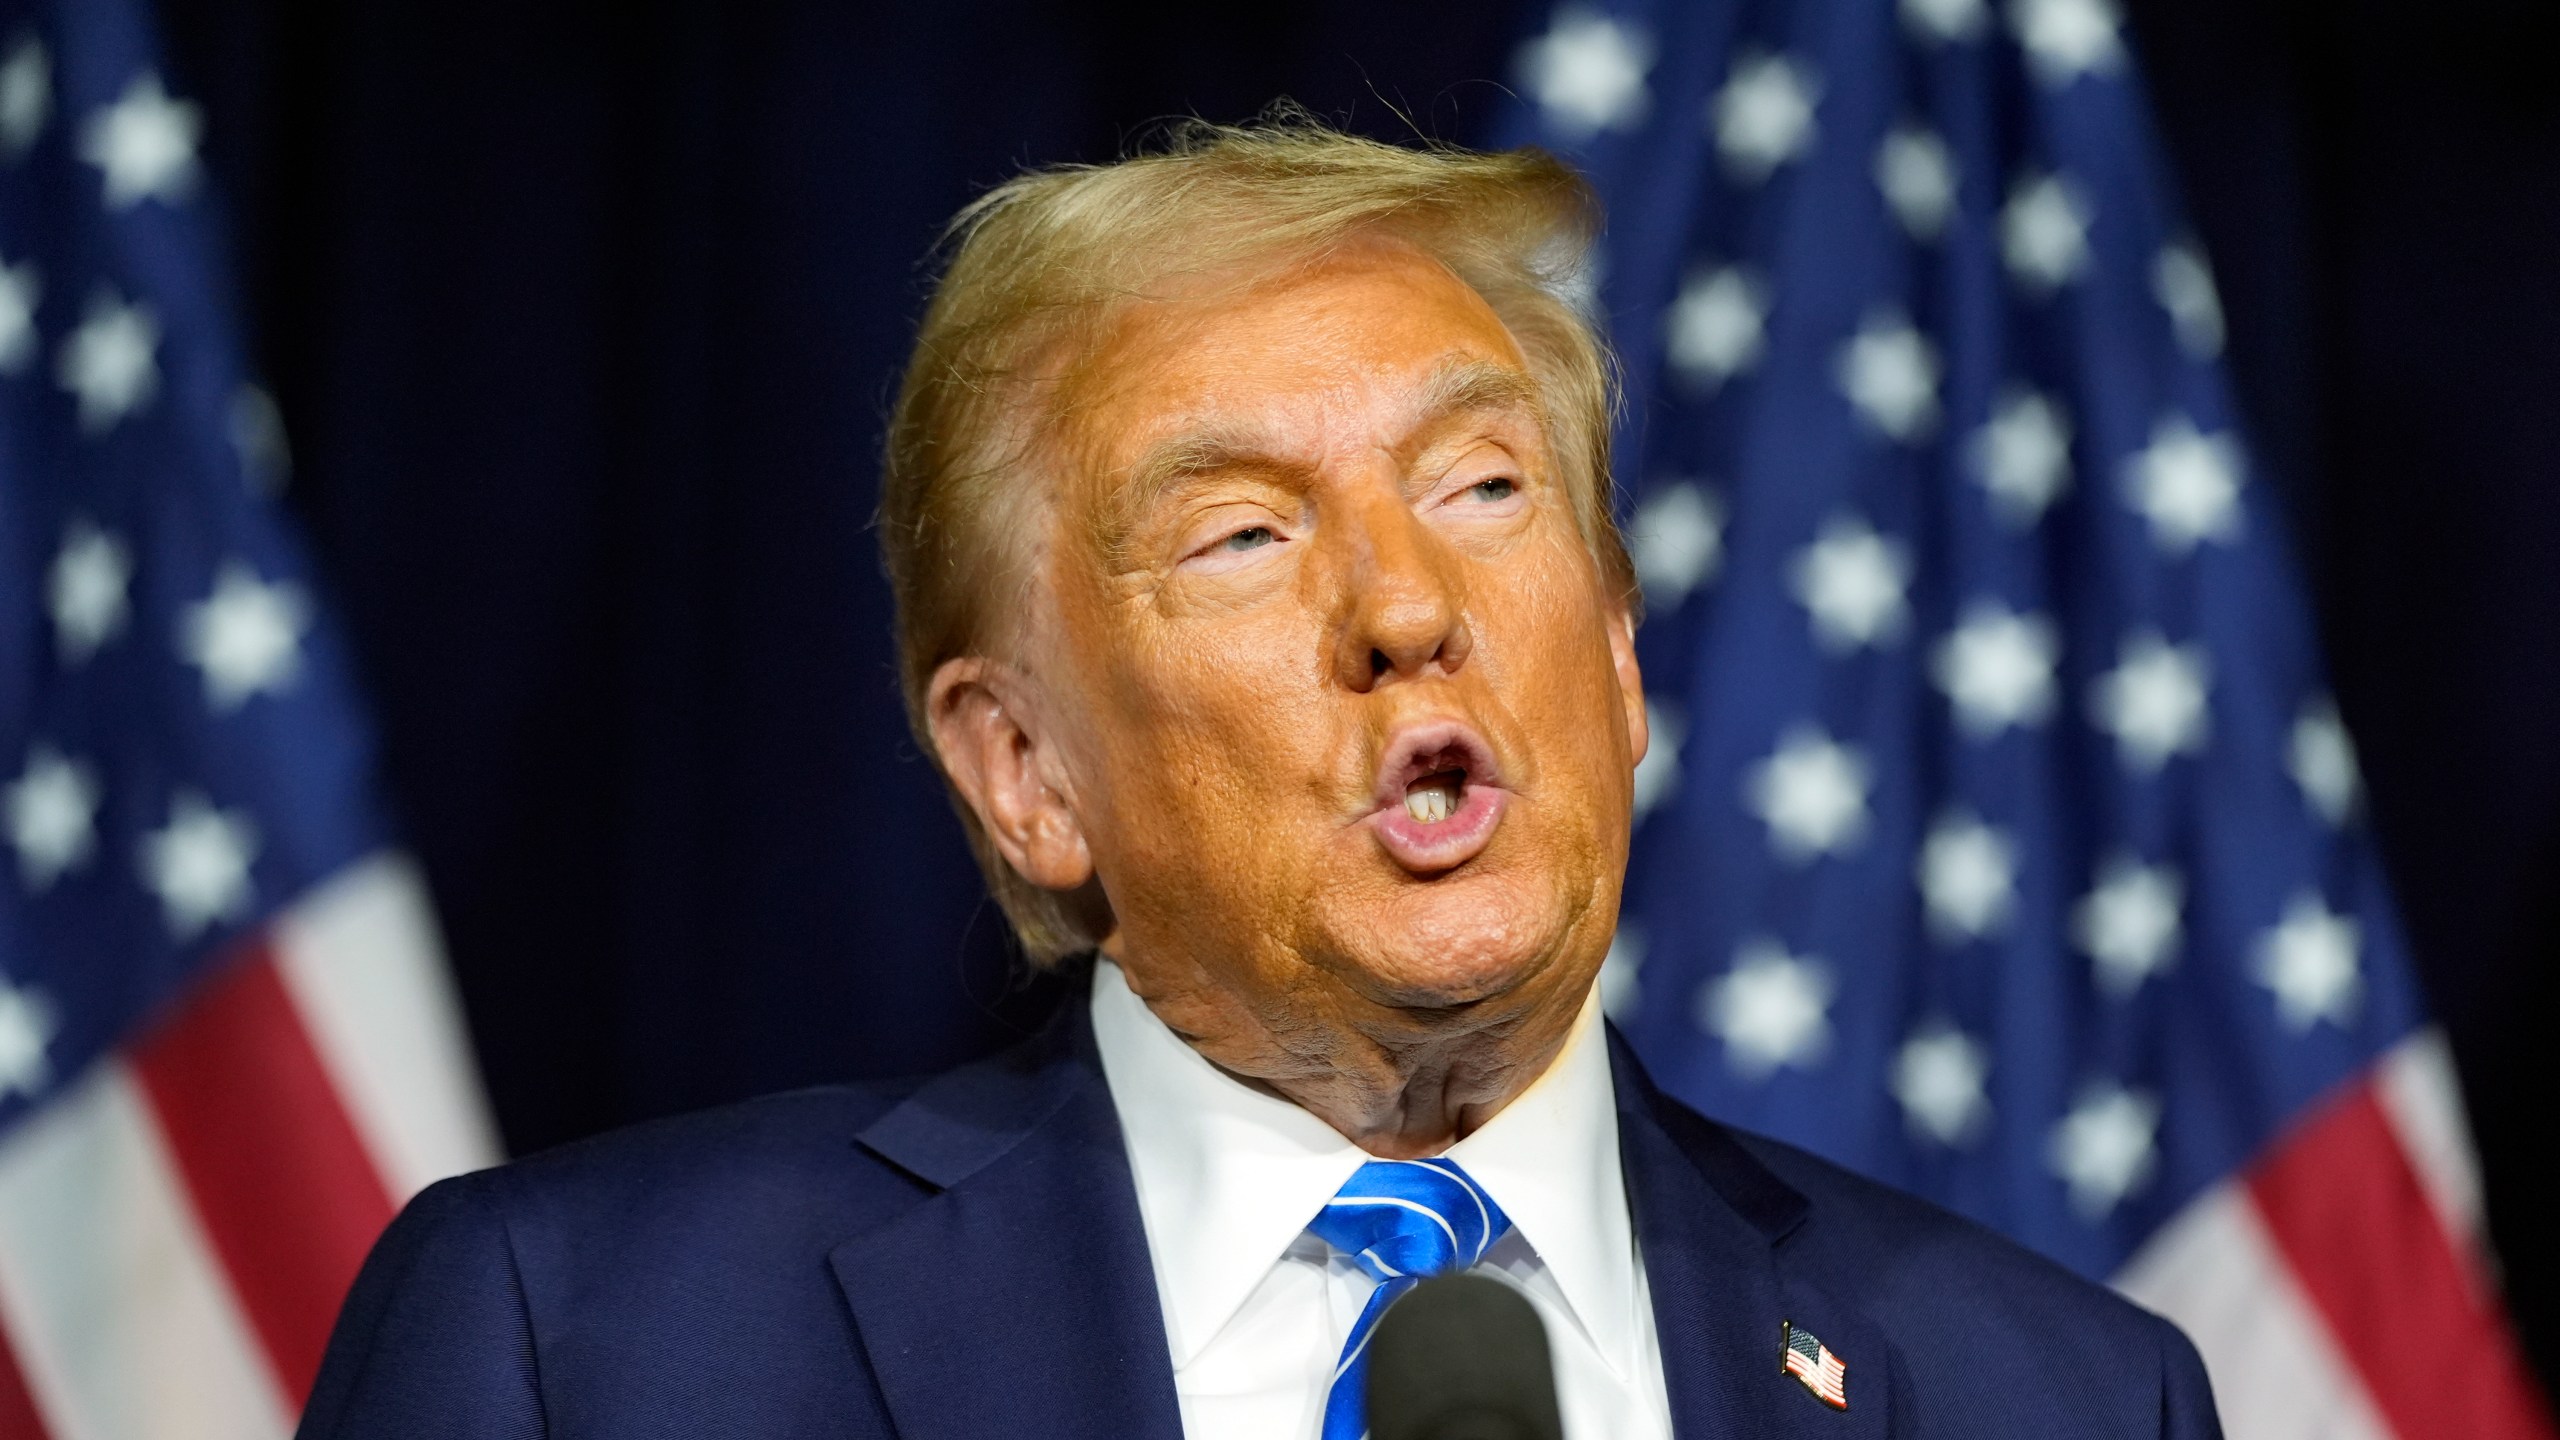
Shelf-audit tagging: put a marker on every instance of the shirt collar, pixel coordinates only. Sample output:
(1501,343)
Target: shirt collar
(1228,1175)
(1550,1158)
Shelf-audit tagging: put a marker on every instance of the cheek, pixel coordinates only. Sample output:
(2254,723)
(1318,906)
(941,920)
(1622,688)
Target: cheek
(1564,674)
(1208,740)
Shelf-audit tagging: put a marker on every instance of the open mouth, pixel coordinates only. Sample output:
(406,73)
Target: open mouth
(1439,797)
(1435,797)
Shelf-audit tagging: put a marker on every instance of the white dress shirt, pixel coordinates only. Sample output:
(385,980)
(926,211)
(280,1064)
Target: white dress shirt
(1256,1308)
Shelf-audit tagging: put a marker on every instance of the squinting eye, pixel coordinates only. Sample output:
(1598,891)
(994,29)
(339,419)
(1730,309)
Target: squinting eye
(1499,488)
(1249,539)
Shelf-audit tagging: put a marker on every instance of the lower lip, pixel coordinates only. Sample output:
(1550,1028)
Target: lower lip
(1430,849)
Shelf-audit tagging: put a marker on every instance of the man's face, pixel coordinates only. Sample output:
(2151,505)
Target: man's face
(1349,714)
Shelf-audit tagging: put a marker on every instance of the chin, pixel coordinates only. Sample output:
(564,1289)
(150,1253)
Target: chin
(1455,941)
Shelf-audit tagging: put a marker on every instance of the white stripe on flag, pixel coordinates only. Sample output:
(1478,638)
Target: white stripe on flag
(361,959)
(2276,1373)
(119,1313)
(2422,1096)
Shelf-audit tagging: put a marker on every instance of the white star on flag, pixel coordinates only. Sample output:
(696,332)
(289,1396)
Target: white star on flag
(1943,20)
(1763,117)
(2183,284)
(2044,233)
(1918,178)
(246,636)
(109,364)
(26,96)
(198,864)
(1938,1076)
(1770,1010)
(2153,702)
(1718,325)
(2322,760)
(2129,923)
(52,813)
(2187,485)
(1658,773)
(1852,581)
(2066,39)
(1968,877)
(1812,794)
(27,1026)
(2309,962)
(20,289)
(1997,669)
(1587,73)
(86,591)
(1621,974)
(2022,455)
(1890,372)
(144,144)
(2105,1148)
(1676,540)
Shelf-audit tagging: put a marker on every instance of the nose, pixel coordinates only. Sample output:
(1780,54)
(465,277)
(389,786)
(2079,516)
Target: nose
(1403,608)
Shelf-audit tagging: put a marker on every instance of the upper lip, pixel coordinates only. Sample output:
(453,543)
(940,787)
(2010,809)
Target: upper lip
(1429,749)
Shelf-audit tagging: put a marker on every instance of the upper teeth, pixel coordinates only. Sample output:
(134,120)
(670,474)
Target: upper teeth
(1432,803)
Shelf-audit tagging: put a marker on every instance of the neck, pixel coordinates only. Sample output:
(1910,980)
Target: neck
(1402,1084)
(1414,1114)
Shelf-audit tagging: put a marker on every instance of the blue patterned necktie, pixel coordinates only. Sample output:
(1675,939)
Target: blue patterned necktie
(1400,1220)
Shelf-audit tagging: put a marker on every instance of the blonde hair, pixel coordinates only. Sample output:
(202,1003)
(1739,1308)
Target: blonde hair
(1039,265)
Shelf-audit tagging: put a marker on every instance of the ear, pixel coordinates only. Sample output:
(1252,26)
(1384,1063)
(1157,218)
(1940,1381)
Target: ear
(1622,654)
(992,746)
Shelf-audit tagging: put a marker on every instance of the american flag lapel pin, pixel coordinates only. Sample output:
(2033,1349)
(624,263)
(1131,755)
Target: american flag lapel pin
(1811,1361)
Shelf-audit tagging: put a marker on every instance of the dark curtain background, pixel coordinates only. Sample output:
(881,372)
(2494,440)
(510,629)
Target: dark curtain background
(583,316)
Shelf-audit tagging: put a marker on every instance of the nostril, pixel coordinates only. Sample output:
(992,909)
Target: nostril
(1379,664)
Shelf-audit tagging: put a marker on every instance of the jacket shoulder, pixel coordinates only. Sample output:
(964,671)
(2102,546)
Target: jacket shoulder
(723,1198)
(1988,1330)
(666,1278)
(758,1152)
(1893,1240)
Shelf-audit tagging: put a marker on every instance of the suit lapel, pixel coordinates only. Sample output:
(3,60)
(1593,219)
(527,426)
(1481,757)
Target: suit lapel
(1712,1223)
(1018,1300)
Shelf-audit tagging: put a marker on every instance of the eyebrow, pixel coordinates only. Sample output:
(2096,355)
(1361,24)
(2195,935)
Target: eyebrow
(1461,387)
(1455,387)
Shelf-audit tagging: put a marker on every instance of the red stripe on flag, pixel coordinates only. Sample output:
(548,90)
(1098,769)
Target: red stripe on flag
(287,1194)
(19,1418)
(2352,1219)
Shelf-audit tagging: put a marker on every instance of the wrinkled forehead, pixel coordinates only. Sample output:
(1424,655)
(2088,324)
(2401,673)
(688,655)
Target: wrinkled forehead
(1367,348)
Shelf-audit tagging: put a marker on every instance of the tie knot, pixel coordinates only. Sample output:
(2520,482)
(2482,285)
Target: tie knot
(1411,1217)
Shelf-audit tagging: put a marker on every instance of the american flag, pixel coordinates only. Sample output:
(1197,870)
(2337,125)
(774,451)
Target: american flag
(2000,838)
(227,1046)
(1809,1360)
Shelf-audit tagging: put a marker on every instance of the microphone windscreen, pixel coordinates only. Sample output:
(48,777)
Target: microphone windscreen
(1462,1358)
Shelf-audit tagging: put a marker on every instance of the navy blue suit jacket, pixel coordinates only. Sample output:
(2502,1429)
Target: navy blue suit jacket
(965,1261)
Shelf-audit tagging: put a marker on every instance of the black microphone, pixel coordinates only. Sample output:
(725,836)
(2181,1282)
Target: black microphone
(1462,1358)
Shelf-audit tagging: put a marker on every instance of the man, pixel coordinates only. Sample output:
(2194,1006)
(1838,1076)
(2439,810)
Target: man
(1247,512)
